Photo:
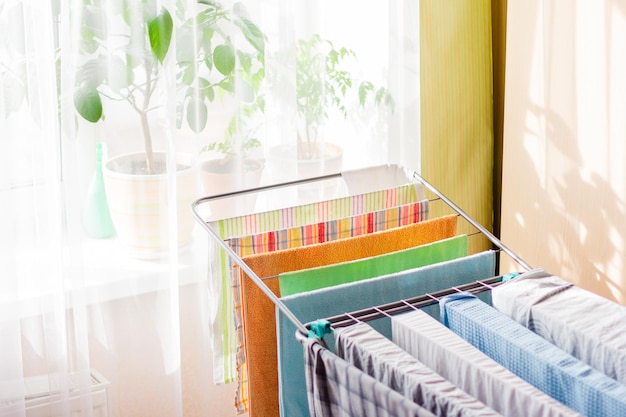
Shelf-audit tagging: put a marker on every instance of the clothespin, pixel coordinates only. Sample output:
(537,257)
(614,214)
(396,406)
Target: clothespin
(510,276)
(319,328)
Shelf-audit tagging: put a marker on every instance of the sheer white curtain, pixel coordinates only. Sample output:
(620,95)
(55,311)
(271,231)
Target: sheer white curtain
(99,320)
(376,46)
(91,323)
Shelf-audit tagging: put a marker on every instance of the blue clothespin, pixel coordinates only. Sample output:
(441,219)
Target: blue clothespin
(319,328)
(508,277)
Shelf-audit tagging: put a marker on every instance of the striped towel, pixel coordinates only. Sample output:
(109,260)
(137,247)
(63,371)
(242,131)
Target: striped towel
(307,235)
(370,351)
(222,331)
(533,358)
(462,364)
(337,389)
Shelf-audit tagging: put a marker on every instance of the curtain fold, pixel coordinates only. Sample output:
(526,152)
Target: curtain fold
(457,147)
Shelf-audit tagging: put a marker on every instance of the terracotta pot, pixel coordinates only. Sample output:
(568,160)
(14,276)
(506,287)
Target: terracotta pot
(139,203)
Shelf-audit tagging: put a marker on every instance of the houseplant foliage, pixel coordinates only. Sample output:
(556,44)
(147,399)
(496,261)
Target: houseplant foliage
(127,71)
(208,63)
(323,83)
(129,50)
(221,52)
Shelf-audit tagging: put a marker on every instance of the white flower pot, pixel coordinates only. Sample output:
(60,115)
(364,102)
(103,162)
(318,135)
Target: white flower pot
(139,205)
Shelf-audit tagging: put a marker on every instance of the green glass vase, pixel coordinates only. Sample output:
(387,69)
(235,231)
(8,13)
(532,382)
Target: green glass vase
(97,219)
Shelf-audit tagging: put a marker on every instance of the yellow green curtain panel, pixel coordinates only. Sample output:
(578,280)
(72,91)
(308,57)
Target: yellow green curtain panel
(457,107)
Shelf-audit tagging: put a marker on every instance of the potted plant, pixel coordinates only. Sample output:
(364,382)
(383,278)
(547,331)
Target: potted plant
(134,60)
(324,84)
(224,66)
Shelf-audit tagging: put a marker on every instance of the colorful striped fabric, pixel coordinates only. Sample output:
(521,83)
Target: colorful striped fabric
(222,321)
(317,212)
(321,232)
(303,236)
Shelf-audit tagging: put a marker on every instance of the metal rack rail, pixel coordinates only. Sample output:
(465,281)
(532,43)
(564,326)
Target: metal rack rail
(412,178)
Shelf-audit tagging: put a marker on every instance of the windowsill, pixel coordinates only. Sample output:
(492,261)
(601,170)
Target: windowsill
(112,273)
(108,273)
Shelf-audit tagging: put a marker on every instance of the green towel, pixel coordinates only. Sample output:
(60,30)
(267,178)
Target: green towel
(304,280)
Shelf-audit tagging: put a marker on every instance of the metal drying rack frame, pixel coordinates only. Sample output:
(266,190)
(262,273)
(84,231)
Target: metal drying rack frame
(412,178)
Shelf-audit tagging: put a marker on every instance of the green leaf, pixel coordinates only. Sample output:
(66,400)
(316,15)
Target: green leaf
(196,114)
(160,32)
(88,44)
(209,2)
(245,92)
(88,103)
(227,85)
(206,89)
(364,89)
(252,33)
(224,58)
(118,75)
(189,74)
(91,73)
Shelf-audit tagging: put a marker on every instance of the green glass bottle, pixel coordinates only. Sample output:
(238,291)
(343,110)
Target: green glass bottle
(97,219)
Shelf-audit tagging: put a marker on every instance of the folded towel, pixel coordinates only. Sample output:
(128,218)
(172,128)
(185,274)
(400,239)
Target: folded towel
(583,324)
(258,311)
(531,357)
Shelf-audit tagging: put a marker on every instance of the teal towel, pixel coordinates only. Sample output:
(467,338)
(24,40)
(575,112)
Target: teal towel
(339,299)
(295,282)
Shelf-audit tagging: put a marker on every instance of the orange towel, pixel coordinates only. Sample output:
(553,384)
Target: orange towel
(259,316)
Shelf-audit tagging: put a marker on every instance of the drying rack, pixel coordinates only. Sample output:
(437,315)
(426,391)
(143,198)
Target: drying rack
(412,177)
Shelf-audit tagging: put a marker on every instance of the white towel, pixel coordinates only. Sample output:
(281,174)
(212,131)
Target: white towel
(589,327)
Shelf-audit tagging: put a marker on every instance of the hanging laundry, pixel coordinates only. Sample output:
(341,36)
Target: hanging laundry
(474,372)
(258,310)
(532,358)
(337,389)
(294,282)
(306,235)
(223,334)
(309,306)
(583,324)
(362,346)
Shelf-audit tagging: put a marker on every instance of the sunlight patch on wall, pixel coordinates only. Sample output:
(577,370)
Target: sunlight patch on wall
(591,86)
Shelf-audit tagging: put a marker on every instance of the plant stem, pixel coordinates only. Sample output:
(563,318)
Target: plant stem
(143,114)
(147,141)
